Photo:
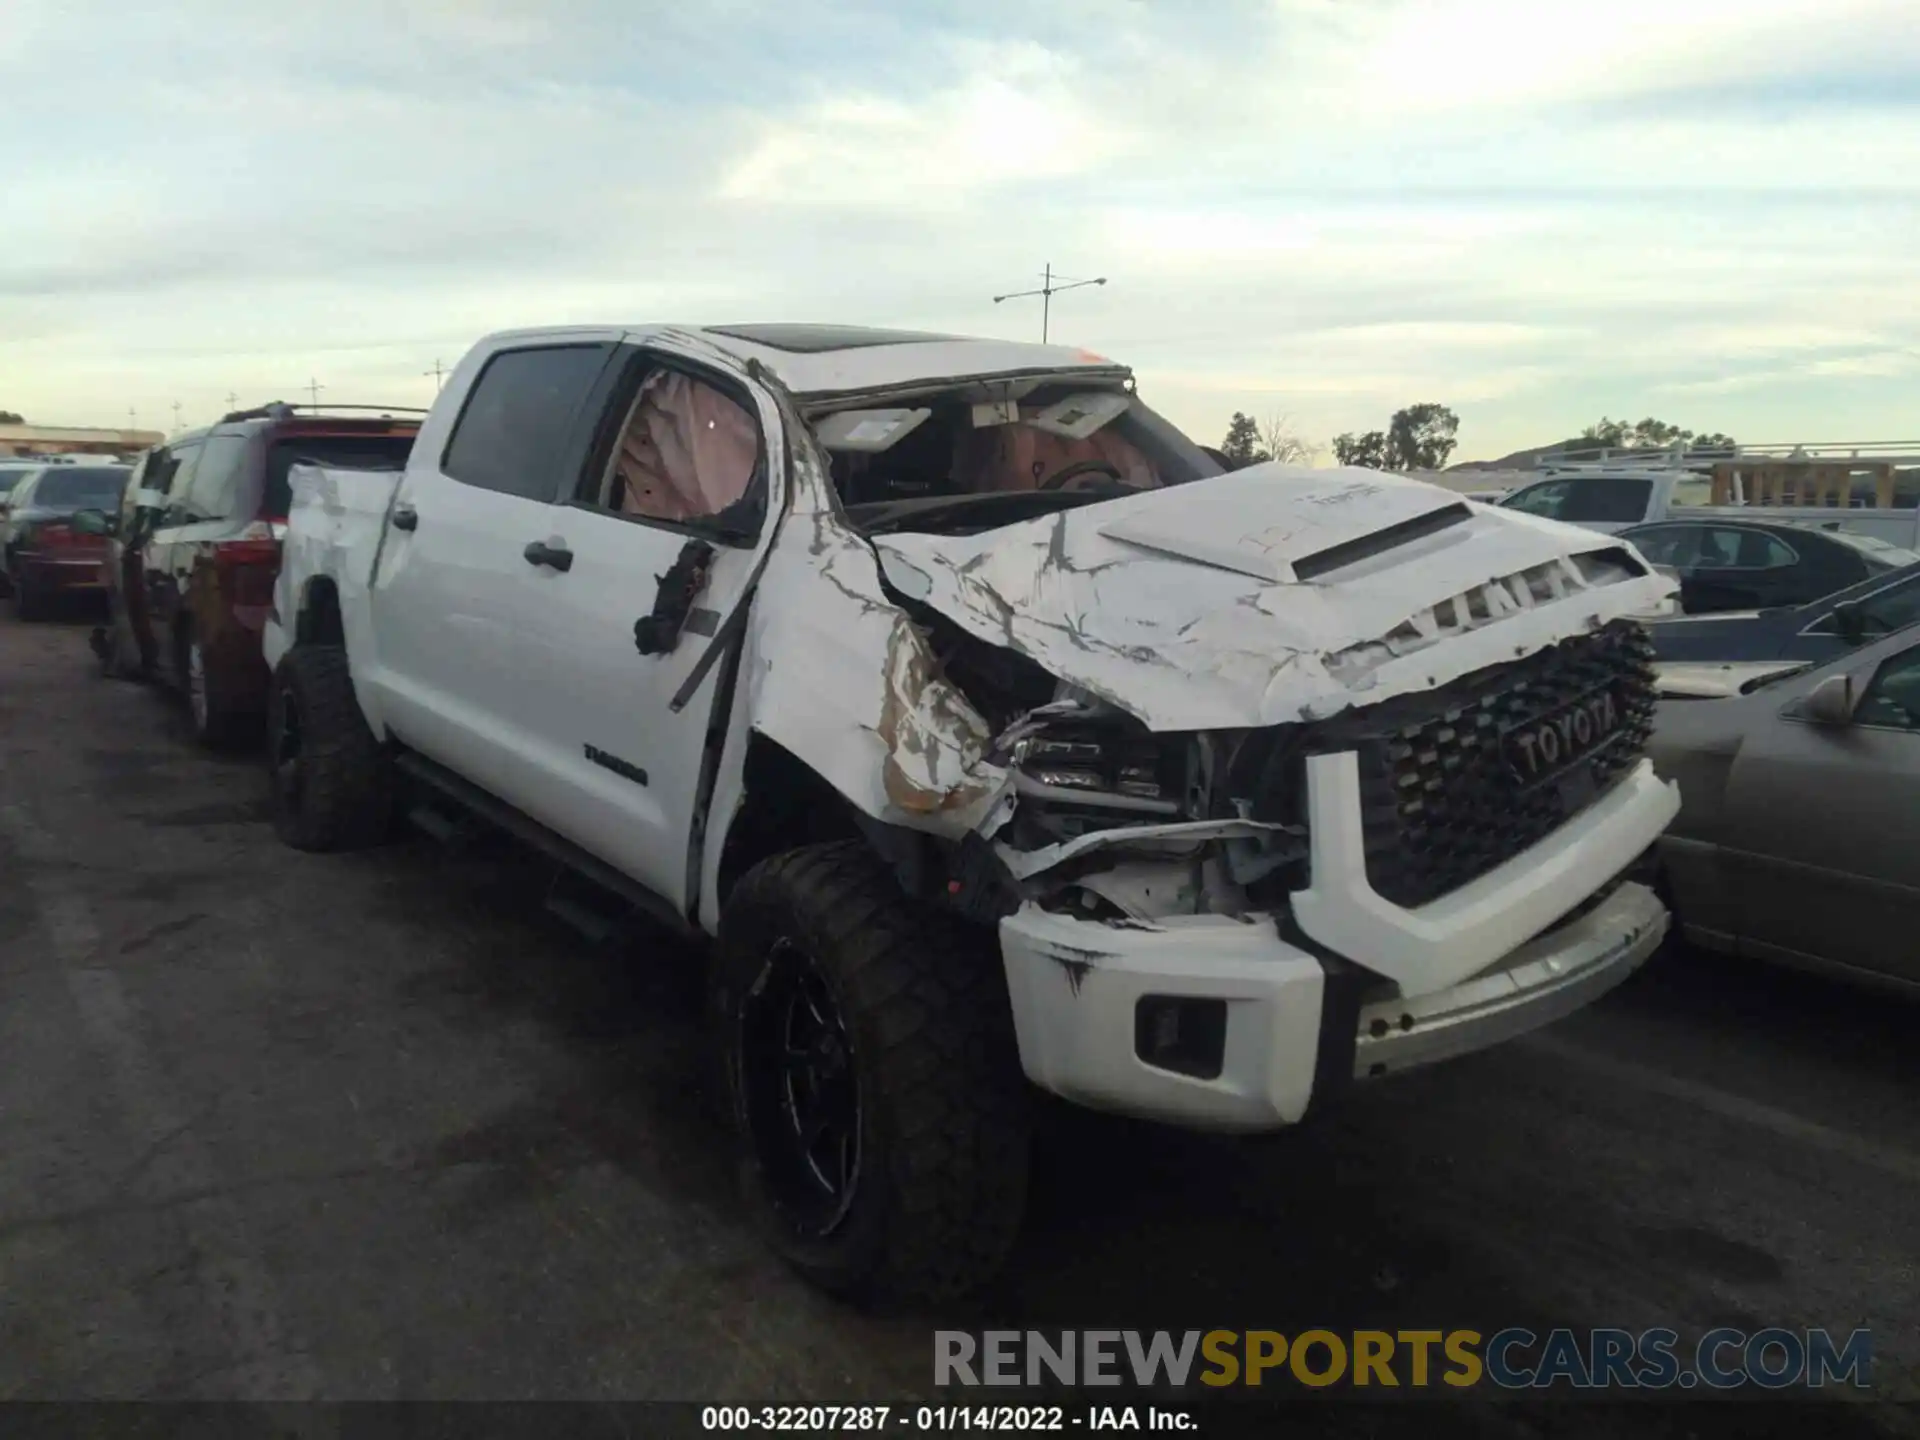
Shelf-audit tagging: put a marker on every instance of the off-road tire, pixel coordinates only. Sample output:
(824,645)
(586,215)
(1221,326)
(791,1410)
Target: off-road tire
(344,796)
(941,1189)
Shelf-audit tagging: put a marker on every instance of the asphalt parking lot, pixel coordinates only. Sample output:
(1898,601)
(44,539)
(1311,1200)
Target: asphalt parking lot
(280,1126)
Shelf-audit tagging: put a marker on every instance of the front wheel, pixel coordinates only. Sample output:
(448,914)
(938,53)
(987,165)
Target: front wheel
(873,1076)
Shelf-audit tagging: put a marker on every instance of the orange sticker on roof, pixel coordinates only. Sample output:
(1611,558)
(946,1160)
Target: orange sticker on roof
(1093,359)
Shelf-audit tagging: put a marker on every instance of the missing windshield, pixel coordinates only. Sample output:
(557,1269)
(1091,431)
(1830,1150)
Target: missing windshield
(946,463)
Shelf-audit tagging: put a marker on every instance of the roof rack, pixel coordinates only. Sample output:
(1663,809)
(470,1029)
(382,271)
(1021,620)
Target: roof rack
(282,410)
(1862,454)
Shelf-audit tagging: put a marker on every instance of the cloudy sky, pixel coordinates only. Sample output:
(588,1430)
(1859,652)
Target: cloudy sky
(1705,210)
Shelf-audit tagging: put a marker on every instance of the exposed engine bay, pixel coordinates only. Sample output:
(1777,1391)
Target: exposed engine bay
(1214,822)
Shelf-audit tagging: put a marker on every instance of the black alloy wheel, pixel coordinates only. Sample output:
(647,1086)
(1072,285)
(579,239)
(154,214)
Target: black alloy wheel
(801,1090)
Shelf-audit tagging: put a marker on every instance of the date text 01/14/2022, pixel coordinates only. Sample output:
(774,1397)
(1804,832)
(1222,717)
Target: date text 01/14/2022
(817,1419)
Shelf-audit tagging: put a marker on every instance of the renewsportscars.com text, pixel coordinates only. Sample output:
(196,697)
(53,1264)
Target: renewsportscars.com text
(1516,1359)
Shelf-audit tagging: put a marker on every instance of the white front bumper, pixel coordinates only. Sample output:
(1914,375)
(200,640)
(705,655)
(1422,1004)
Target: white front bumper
(1438,945)
(1076,986)
(1544,980)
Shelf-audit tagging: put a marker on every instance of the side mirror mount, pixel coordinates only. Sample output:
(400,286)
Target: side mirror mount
(1830,702)
(91,522)
(1850,622)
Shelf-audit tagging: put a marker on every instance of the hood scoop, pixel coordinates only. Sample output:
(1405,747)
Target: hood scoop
(1286,523)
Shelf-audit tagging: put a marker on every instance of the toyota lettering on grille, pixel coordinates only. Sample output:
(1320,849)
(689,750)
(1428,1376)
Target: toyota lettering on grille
(1555,742)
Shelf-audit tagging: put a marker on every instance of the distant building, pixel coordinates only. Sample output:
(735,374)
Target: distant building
(74,440)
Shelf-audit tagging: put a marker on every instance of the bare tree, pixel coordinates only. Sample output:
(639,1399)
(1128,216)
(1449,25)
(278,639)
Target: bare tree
(1282,443)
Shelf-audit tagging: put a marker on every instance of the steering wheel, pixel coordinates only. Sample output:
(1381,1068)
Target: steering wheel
(1060,477)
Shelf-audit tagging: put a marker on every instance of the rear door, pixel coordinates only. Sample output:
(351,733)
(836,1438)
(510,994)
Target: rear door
(456,597)
(1823,822)
(200,514)
(1739,567)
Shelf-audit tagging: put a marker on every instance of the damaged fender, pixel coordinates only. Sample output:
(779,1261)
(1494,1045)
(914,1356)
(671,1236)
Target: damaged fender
(840,676)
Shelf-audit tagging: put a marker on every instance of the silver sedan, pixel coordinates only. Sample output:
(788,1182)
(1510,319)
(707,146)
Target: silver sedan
(1798,838)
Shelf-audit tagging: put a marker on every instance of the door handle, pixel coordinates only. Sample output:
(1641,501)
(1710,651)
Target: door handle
(405,517)
(556,556)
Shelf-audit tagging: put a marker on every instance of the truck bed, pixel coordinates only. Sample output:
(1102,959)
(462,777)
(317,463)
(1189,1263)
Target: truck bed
(335,525)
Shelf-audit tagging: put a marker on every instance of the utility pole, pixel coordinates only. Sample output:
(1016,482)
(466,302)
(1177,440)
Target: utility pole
(232,399)
(314,387)
(437,374)
(133,418)
(1048,289)
(176,417)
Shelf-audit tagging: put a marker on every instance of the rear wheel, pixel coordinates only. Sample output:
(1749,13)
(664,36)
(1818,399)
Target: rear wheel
(332,785)
(874,1078)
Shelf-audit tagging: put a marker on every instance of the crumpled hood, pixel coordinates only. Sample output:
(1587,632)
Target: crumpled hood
(1273,594)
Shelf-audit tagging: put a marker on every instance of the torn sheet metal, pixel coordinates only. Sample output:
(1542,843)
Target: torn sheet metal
(1172,835)
(1158,603)
(841,677)
(335,523)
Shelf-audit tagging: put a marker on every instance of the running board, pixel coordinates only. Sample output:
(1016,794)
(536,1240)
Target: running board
(581,917)
(496,812)
(446,824)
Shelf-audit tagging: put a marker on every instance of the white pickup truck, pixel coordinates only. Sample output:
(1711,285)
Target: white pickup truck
(1612,498)
(991,733)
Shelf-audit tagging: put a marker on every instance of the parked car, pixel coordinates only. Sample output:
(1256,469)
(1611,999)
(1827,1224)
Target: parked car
(1818,630)
(991,733)
(1870,489)
(1742,565)
(44,554)
(196,544)
(1799,836)
(12,474)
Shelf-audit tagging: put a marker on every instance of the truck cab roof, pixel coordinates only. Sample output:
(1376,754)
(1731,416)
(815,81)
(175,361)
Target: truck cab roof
(816,362)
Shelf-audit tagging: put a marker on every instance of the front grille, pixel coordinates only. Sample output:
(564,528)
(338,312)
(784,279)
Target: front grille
(1447,794)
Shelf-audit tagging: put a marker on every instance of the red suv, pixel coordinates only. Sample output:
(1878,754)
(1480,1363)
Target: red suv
(196,548)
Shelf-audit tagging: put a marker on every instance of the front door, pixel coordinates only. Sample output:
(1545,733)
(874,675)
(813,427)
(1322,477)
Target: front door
(1740,568)
(673,509)
(130,626)
(161,514)
(1823,822)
